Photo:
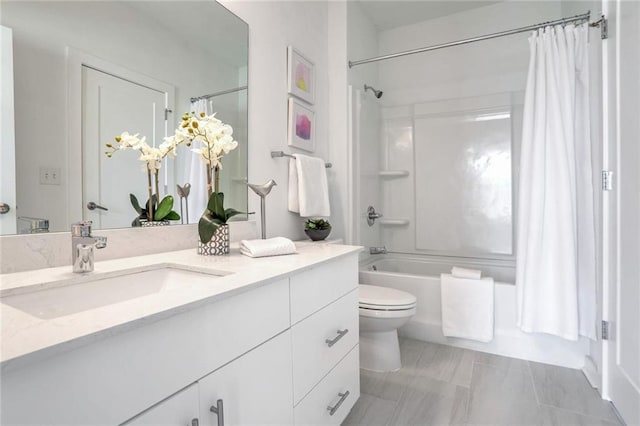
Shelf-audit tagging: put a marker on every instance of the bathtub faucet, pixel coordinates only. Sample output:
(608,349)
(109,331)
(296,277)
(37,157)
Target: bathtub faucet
(378,250)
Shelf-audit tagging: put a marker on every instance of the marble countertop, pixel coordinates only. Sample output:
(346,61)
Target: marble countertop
(26,338)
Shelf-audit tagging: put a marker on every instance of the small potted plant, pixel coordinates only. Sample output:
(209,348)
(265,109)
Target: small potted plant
(317,229)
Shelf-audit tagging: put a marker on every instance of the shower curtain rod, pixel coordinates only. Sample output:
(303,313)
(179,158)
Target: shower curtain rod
(223,92)
(582,17)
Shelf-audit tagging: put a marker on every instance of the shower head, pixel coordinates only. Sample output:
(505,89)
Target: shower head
(378,93)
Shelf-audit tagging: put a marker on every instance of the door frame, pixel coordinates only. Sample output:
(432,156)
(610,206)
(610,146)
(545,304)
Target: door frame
(76,59)
(611,249)
(7,128)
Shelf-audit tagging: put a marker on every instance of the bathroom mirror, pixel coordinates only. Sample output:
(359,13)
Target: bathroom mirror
(86,71)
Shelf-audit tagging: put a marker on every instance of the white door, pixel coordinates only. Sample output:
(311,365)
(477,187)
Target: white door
(110,106)
(255,389)
(622,237)
(7,136)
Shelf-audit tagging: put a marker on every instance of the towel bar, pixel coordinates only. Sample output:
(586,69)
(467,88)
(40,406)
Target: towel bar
(277,154)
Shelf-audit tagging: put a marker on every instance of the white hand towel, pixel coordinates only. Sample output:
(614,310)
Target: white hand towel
(467,307)
(473,274)
(271,247)
(308,187)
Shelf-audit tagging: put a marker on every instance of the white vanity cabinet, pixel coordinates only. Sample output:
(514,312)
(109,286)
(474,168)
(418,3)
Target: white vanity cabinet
(255,389)
(284,352)
(324,317)
(181,409)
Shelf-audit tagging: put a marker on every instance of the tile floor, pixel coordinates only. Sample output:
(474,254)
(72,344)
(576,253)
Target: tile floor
(443,385)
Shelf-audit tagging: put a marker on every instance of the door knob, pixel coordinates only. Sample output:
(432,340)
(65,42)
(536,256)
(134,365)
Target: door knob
(92,206)
(4,208)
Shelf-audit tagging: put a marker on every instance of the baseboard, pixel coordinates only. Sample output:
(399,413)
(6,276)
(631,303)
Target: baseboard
(590,371)
(542,348)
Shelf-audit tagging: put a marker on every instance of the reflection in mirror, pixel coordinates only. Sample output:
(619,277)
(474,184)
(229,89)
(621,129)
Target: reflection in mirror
(86,71)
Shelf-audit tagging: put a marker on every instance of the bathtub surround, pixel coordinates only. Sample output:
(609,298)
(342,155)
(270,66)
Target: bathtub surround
(556,270)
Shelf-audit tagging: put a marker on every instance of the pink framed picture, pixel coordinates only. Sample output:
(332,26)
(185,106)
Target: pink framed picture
(301,76)
(302,126)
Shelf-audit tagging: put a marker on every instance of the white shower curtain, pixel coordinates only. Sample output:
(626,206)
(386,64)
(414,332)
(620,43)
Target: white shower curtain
(196,172)
(556,269)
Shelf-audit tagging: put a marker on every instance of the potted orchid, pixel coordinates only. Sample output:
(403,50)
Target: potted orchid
(210,139)
(156,211)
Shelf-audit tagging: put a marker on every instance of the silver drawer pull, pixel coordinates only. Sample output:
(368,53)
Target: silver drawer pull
(343,396)
(218,409)
(195,422)
(341,333)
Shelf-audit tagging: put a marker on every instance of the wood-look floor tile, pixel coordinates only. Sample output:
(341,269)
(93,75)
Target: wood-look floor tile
(370,411)
(446,363)
(389,386)
(569,389)
(410,351)
(552,416)
(499,361)
(502,397)
(428,401)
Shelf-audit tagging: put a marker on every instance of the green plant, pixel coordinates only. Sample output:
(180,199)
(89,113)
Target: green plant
(319,224)
(162,211)
(214,216)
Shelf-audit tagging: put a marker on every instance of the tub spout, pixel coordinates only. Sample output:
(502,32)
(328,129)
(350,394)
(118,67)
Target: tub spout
(378,250)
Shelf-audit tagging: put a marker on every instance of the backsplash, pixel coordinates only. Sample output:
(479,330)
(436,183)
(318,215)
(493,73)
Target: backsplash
(36,251)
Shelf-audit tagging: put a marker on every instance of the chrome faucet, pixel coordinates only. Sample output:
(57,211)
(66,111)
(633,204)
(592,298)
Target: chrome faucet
(378,250)
(82,244)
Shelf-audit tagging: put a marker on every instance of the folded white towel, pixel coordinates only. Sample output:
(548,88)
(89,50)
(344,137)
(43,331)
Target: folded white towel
(271,247)
(473,274)
(308,187)
(467,307)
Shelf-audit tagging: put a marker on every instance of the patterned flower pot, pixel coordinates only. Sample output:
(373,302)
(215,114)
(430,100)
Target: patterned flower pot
(218,245)
(148,224)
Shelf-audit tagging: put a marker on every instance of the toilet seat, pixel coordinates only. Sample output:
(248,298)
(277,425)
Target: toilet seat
(378,298)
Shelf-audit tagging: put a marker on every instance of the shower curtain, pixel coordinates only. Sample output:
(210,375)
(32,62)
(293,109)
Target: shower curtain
(555,267)
(196,172)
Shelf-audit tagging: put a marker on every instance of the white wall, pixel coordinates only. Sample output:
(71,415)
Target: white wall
(273,25)
(42,31)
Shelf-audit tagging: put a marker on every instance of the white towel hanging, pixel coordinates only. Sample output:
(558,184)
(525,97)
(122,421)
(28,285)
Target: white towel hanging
(308,192)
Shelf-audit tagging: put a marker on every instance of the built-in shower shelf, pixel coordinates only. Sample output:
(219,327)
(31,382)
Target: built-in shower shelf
(393,173)
(393,221)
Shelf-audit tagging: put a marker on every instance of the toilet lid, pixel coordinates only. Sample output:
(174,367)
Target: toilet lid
(373,297)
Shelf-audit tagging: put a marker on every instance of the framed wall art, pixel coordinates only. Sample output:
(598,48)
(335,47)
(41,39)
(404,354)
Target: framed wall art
(301,126)
(301,76)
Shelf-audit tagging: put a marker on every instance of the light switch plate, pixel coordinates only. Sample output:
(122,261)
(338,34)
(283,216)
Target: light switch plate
(49,175)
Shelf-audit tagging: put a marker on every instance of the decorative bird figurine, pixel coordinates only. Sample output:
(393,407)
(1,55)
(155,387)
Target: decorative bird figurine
(183,192)
(264,189)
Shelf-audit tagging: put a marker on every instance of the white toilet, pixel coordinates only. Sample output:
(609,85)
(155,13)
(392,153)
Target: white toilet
(382,311)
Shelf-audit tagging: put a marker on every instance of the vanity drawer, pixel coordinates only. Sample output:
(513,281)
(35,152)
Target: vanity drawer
(312,290)
(329,403)
(313,356)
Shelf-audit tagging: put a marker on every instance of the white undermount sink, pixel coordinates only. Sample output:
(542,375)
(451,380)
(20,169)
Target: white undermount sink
(102,291)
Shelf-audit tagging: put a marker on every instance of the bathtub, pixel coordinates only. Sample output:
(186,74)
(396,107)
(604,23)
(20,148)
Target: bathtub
(420,276)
